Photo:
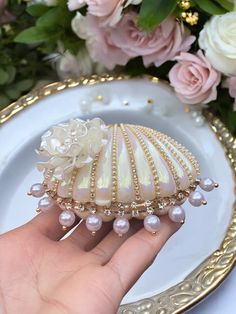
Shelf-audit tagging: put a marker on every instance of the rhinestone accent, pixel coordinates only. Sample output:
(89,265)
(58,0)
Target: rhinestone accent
(121,212)
(107,212)
(150,211)
(133,205)
(135,213)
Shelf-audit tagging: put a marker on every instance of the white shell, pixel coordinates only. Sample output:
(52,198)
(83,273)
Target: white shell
(175,166)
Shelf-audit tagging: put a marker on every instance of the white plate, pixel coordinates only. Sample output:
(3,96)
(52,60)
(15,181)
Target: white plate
(205,227)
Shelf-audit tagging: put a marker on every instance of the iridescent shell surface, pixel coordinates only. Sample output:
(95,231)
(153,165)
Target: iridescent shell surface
(137,164)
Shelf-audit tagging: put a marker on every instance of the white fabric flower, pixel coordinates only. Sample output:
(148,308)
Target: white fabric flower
(72,145)
(218,40)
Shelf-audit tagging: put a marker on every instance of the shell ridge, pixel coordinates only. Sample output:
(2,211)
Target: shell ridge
(132,162)
(136,132)
(178,159)
(164,156)
(183,149)
(179,147)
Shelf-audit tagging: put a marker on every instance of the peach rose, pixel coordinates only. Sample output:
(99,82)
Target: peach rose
(194,79)
(162,44)
(230,83)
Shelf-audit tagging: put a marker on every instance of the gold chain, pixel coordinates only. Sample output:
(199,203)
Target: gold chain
(93,178)
(114,165)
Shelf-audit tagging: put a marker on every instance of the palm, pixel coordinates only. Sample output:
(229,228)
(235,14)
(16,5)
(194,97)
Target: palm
(80,274)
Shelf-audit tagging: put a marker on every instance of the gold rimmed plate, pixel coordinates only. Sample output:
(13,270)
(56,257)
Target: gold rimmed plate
(203,252)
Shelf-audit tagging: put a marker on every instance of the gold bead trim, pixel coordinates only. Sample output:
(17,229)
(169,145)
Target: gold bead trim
(55,187)
(114,165)
(163,154)
(166,140)
(185,152)
(47,177)
(72,181)
(93,178)
(149,158)
(132,163)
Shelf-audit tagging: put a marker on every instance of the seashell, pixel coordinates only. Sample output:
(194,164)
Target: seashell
(138,172)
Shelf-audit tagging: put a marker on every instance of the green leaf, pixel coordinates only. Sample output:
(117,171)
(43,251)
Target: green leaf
(11,71)
(4,100)
(4,77)
(37,10)
(32,35)
(153,12)
(12,93)
(210,7)
(227,5)
(24,85)
(50,18)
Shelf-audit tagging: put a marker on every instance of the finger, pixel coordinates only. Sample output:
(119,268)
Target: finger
(82,238)
(48,224)
(139,252)
(105,249)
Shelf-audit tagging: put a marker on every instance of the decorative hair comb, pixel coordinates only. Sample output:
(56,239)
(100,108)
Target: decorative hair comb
(116,172)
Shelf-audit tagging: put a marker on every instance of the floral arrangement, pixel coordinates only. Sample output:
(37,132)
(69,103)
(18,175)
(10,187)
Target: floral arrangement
(190,43)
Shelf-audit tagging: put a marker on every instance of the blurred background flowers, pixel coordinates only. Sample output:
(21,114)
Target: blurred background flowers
(190,43)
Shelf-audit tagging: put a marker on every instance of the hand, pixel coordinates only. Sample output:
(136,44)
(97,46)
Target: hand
(81,274)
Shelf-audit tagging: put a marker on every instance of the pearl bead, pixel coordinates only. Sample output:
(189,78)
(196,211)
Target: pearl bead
(207,184)
(177,214)
(93,223)
(121,225)
(196,199)
(45,204)
(67,218)
(37,190)
(152,223)
(195,114)
(199,121)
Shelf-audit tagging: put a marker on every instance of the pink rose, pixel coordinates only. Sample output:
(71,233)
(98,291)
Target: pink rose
(109,11)
(5,15)
(98,41)
(194,79)
(230,83)
(162,44)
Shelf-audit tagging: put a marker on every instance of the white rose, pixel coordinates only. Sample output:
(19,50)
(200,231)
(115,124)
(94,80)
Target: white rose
(75,4)
(49,3)
(218,40)
(69,65)
(133,2)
